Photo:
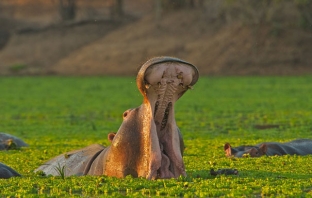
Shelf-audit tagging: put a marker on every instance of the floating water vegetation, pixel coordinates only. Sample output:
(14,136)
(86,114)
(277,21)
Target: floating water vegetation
(57,114)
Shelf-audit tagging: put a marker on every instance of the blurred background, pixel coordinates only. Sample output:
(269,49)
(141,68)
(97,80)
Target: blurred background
(114,37)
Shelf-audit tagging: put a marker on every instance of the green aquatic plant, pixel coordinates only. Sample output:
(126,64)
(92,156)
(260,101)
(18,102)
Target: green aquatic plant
(61,170)
(55,115)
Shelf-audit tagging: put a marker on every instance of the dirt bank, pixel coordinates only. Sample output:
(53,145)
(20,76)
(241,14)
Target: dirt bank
(104,48)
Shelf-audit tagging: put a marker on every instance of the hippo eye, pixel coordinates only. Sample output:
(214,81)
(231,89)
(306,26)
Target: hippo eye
(125,114)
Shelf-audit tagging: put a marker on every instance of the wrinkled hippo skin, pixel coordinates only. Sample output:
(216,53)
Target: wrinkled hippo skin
(7,172)
(295,147)
(8,142)
(148,143)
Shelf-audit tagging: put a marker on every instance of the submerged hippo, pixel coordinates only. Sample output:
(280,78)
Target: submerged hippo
(295,147)
(7,172)
(148,143)
(8,142)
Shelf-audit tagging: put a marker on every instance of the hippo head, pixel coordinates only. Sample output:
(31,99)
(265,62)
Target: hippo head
(148,143)
(10,142)
(244,151)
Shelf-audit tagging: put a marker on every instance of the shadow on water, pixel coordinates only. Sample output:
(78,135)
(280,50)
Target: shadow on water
(253,174)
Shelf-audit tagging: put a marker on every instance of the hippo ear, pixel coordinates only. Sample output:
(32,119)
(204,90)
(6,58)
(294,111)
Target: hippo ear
(228,150)
(111,136)
(263,149)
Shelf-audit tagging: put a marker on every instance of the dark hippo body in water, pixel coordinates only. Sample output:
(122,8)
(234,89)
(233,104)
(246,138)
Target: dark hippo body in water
(295,147)
(148,143)
(8,142)
(7,172)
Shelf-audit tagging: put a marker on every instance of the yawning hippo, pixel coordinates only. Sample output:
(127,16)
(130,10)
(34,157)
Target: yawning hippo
(8,142)
(148,143)
(298,147)
(7,172)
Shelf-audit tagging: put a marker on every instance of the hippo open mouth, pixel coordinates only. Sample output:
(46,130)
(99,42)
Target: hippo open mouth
(148,143)
(162,82)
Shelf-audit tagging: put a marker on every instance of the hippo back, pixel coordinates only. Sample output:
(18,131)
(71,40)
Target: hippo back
(77,162)
(302,146)
(7,172)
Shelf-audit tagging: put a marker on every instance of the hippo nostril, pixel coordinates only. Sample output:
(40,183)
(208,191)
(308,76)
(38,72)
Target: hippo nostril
(125,114)
(180,76)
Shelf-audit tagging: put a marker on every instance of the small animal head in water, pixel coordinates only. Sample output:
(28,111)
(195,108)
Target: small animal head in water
(245,151)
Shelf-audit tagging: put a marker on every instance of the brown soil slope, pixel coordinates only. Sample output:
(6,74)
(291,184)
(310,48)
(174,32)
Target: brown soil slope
(35,50)
(217,50)
(104,49)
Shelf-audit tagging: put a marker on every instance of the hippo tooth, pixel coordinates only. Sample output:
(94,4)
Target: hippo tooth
(147,86)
